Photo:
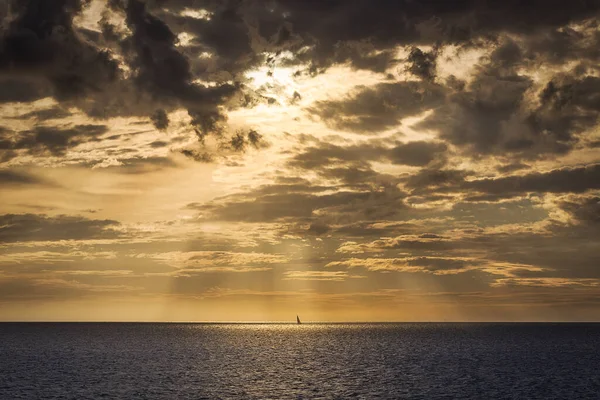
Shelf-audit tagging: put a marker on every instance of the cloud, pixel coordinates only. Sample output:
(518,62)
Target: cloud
(562,180)
(144,67)
(14,289)
(477,117)
(294,205)
(34,227)
(418,153)
(405,242)
(318,228)
(578,42)
(584,210)
(22,90)
(548,282)
(142,165)
(225,31)
(41,42)
(564,248)
(49,140)
(497,113)
(332,276)
(427,177)
(569,107)
(322,156)
(46,114)
(16,177)
(326,154)
(422,64)
(329,29)
(433,265)
(194,262)
(500,273)
(452,146)
(372,109)
(46,257)
(166,73)
(137,71)
(160,119)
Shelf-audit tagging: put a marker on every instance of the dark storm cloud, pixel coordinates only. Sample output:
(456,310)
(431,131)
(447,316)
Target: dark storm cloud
(237,31)
(164,72)
(22,90)
(333,29)
(49,140)
(227,35)
(42,49)
(34,227)
(40,42)
(380,18)
(363,33)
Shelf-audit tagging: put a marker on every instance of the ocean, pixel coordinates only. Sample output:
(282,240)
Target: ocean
(308,361)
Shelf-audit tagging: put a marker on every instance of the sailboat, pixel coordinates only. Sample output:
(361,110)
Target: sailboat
(298,320)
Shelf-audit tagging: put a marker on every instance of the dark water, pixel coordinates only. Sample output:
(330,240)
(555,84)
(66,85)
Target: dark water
(199,361)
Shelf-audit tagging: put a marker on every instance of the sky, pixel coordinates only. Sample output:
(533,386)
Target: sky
(343,160)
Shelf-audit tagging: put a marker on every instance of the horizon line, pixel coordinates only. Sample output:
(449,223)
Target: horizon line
(287,322)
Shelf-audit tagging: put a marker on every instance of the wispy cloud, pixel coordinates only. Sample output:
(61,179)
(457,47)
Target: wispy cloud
(336,276)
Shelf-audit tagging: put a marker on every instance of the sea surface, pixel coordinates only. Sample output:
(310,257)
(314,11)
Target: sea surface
(285,361)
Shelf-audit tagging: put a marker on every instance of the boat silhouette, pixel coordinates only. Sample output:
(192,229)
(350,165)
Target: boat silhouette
(298,320)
